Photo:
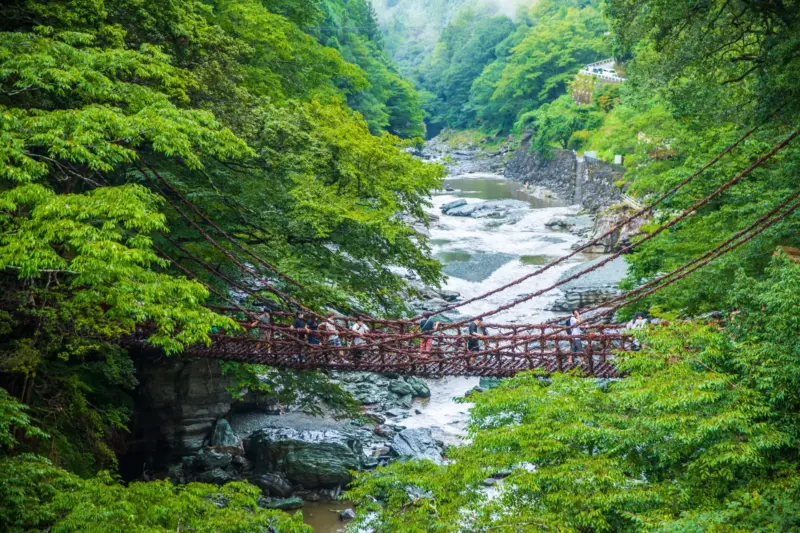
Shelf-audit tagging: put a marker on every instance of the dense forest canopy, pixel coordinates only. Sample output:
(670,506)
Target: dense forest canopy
(275,117)
(287,122)
(487,66)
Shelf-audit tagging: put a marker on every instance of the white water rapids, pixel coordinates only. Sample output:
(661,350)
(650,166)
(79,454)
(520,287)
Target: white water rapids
(482,254)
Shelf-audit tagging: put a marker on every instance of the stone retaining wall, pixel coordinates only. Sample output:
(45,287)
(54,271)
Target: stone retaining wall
(590,183)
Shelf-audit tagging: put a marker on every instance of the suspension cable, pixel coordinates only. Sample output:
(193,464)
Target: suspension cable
(638,214)
(775,149)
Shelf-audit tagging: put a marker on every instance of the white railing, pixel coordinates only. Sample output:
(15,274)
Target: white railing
(632,202)
(608,61)
(604,77)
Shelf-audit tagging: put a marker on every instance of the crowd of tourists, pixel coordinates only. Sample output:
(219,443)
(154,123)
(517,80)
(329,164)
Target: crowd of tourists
(360,338)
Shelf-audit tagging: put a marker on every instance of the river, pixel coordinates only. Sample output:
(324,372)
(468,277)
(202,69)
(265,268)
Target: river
(479,254)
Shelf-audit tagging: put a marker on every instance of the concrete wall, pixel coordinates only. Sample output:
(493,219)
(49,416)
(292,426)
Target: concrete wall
(590,183)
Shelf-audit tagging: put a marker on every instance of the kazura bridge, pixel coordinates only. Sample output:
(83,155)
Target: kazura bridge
(398,346)
(391,347)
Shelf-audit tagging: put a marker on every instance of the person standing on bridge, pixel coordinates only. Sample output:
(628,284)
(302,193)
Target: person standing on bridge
(361,330)
(574,323)
(638,323)
(311,328)
(332,333)
(427,326)
(476,333)
(299,326)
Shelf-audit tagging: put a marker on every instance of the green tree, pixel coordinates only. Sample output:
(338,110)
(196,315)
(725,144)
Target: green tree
(464,49)
(545,56)
(556,123)
(389,102)
(240,109)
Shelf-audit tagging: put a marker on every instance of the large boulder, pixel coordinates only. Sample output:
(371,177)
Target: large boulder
(216,476)
(401,388)
(452,205)
(209,458)
(225,440)
(489,209)
(274,485)
(416,443)
(419,387)
(310,451)
(619,237)
(450,296)
(285,504)
(580,225)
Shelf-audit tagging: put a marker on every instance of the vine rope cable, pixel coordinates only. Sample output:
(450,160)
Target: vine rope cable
(560,260)
(760,161)
(608,233)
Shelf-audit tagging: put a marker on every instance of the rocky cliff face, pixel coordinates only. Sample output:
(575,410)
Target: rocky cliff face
(180,430)
(557,173)
(177,405)
(589,182)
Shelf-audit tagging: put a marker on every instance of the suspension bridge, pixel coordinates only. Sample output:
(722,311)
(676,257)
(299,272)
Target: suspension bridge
(387,348)
(398,346)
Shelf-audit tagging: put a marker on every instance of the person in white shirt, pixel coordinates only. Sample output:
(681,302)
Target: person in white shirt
(361,330)
(575,322)
(638,323)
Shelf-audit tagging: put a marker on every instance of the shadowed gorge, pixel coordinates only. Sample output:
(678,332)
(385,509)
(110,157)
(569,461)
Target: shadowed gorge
(450,266)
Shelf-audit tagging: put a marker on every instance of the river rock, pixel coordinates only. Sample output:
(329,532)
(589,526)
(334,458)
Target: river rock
(489,209)
(347,514)
(209,458)
(285,504)
(272,485)
(225,440)
(401,388)
(405,401)
(416,443)
(419,387)
(216,476)
(450,296)
(452,205)
(580,225)
(382,392)
(383,431)
(489,383)
(310,451)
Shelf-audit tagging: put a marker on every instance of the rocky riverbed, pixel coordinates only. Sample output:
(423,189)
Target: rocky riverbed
(291,455)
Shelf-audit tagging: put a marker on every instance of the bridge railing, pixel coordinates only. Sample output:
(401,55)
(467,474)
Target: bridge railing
(396,346)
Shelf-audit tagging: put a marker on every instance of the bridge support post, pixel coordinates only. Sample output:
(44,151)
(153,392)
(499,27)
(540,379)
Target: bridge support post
(559,355)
